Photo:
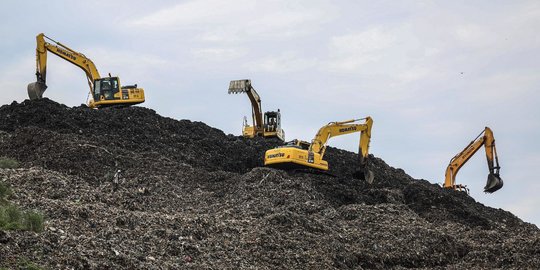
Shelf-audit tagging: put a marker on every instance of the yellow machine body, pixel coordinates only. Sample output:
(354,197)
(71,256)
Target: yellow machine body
(294,155)
(267,124)
(301,154)
(104,92)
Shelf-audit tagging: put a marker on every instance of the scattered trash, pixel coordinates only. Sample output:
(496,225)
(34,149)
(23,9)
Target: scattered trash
(192,196)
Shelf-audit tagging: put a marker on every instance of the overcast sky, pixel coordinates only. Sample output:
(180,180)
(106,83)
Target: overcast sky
(432,74)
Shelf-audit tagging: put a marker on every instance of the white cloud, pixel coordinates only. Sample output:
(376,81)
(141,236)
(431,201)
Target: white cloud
(504,88)
(195,12)
(218,54)
(353,51)
(413,74)
(240,20)
(474,35)
(284,63)
(131,66)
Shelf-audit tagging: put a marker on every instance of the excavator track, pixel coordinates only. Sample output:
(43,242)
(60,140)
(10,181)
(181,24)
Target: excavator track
(309,171)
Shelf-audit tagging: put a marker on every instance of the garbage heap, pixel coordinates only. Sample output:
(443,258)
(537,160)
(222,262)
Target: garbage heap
(130,189)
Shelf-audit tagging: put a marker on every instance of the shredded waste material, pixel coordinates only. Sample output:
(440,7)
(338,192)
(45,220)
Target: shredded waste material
(130,189)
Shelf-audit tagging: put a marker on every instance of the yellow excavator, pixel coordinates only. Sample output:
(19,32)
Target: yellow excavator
(267,125)
(104,92)
(299,154)
(494,181)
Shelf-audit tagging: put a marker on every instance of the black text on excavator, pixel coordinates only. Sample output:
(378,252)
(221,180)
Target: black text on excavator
(494,181)
(270,125)
(104,91)
(301,154)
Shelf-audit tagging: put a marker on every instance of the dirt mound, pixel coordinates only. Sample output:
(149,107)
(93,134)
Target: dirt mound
(189,195)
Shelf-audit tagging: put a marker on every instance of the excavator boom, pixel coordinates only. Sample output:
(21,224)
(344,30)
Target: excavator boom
(486,139)
(36,89)
(244,86)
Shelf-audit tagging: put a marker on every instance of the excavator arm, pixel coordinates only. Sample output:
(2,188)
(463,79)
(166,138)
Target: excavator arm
(333,129)
(244,86)
(36,89)
(486,139)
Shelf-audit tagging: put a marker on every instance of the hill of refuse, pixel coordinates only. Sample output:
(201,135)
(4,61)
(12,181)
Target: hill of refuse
(190,196)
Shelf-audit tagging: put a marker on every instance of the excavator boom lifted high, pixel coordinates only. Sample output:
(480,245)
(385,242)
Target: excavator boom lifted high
(300,154)
(486,139)
(267,124)
(104,91)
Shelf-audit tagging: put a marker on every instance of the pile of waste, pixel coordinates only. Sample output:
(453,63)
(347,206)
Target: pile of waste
(129,189)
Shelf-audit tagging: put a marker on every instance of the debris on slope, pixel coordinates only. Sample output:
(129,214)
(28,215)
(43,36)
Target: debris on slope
(190,196)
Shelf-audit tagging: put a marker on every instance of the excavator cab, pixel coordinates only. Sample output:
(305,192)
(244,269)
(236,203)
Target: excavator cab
(109,92)
(272,125)
(271,121)
(106,88)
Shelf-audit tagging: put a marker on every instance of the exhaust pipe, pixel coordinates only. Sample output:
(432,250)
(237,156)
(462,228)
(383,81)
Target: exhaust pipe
(36,90)
(494,183)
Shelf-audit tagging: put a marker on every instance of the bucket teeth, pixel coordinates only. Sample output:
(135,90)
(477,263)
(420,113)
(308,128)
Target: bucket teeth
(365,174)
(236,91)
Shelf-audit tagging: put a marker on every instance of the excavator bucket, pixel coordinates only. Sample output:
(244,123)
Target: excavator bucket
(36,90)
(365,174)
(239,86)
(494,183)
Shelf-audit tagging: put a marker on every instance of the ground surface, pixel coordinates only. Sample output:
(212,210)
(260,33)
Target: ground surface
(190,196)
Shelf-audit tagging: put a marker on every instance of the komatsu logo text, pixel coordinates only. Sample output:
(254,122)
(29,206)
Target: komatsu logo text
(67,54)
(276,155)
(347,129)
